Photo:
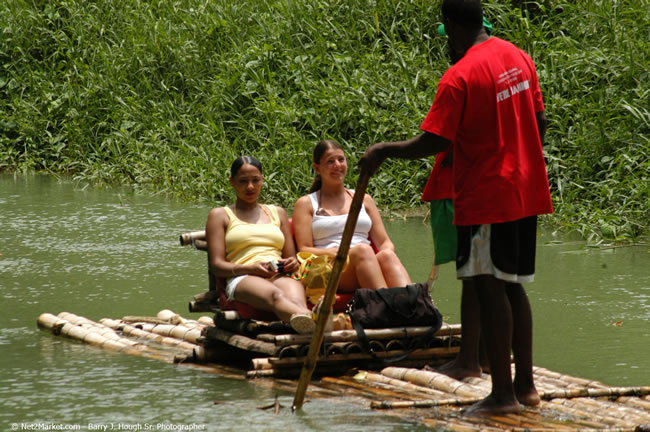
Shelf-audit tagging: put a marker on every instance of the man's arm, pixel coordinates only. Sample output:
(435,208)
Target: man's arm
(541,125)
(423,145)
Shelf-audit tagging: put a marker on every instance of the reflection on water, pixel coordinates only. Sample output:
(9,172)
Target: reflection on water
(110,253)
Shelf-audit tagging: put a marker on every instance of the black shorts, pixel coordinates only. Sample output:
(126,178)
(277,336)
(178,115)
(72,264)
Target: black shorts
(505,250)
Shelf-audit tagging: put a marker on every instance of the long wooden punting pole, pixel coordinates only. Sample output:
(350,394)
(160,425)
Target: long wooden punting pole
(333,283)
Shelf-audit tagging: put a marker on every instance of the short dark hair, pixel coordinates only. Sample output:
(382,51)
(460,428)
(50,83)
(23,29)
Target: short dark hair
(244,160)
(467,13)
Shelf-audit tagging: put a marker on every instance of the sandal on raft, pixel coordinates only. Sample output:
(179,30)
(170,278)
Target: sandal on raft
(316,310)
(302,323)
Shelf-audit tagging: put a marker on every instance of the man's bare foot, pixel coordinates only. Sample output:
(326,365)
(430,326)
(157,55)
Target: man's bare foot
(527,396)
(454,369)
(492,405)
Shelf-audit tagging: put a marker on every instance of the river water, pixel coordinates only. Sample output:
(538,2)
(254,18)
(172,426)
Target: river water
(111,252)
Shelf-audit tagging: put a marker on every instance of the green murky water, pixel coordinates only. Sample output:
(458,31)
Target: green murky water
(110,253)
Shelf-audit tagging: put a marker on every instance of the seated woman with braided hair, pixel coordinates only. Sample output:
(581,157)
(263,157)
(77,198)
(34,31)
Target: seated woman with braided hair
(251,246)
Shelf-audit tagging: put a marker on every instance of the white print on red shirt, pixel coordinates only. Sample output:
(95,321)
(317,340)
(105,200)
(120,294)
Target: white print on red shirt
(508,77)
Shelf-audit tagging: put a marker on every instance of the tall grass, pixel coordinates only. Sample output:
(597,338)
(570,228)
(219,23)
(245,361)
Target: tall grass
(165,94)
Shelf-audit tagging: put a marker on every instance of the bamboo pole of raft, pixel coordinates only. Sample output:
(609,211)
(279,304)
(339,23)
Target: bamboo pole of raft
(175,332)
(366,390)
(332,285)
(435,380)
(547,396)
(206,321)
(599,405)
(588,415)
(60,326)
(190,237)
(201,244)
(174,318)
(105,337)
(407,387)
(566,379)
(94,329)
(240,341)
(171,317)
(90,335)
(635,402)
(187,347)
(351,335)
(334,359)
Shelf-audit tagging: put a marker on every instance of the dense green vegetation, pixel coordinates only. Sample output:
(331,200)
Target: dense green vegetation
(164,94)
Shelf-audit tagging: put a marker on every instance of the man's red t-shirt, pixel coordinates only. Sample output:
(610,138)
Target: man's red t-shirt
(440,184)
(485,105)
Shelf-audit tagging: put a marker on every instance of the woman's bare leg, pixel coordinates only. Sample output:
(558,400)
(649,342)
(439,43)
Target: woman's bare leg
(363,270)
(293,290)
(263,294)
(392,269)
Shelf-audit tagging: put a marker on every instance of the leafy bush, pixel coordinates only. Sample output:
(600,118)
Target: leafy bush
(165,94)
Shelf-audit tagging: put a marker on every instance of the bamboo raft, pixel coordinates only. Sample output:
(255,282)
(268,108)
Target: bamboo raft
(245,349)
(272,350)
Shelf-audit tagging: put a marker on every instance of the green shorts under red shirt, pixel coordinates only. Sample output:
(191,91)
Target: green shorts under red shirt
(439,191)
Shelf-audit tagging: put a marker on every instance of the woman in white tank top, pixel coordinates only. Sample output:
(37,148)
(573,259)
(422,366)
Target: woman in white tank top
(319,219)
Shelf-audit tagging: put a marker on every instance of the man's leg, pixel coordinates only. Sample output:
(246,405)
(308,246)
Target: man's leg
(496,329)
(522,344)
(446,240)
(466,363)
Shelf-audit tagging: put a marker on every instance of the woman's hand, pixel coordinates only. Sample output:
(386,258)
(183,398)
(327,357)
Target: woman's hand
(290,264)
(261,269)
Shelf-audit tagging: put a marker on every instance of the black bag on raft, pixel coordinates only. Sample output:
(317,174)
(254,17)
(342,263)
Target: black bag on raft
(408,306)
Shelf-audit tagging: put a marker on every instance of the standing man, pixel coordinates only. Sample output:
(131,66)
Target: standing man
(471,360)
(490,107)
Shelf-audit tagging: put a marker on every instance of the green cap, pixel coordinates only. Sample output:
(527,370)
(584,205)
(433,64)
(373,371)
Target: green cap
(487,24)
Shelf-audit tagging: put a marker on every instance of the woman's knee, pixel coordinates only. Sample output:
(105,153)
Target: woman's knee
(362,251)
(276,295)
(291,287)
(387,257)
(260,289)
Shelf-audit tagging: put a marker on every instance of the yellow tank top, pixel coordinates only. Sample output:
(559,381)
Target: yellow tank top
(248,243)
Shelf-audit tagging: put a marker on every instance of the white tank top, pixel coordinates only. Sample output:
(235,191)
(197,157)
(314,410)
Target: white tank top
(327,231)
